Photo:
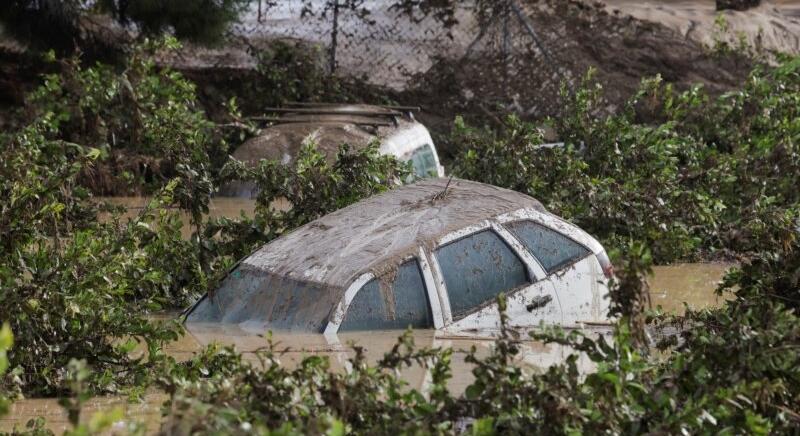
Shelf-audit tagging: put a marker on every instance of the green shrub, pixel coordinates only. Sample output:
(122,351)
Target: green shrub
(728,370)
(687,175)
(145,119)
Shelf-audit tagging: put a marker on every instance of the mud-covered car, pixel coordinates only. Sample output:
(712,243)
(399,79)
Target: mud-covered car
(329,126)
(434,254)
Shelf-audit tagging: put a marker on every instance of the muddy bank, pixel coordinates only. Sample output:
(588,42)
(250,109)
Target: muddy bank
(773,25)
(575,36)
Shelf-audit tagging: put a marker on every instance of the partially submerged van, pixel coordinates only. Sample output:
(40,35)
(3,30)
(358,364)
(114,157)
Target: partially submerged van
(434,254)
(331,125)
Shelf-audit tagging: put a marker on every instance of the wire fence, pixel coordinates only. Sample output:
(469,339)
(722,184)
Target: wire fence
(387,48)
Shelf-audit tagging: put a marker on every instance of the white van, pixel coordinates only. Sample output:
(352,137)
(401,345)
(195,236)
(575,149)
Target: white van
(331,125)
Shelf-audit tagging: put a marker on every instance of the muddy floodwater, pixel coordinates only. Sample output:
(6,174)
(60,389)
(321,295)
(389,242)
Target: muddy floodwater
(671,288)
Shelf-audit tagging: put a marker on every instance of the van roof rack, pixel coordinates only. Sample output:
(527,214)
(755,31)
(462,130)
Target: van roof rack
(331,111)
(298,104)
(279,120)
(379,116)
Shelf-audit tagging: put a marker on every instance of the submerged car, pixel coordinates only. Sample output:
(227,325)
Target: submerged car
(434,254)
(329,126)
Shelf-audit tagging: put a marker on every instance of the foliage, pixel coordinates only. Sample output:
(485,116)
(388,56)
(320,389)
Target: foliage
(292,71)
(145,119)
(72,25)
(6,342)
(729,370)
(310,398)
(70,286)
(203,21)
(686,174)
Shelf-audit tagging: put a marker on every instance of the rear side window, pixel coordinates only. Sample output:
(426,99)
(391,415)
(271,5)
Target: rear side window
(552,249)
(424,162)
(478,268)
(282,303)
(401,303)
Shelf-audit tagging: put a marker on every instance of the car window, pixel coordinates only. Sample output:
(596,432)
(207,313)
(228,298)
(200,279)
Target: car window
(552,249)
(423,161)
(478,268)
(397,305)
(281,303)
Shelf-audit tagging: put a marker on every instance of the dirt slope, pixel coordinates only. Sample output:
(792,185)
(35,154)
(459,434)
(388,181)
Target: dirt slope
(774,25)
(576,36)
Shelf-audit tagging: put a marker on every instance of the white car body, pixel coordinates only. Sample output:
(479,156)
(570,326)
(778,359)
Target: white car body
(580,291)
(408,139)
(436,253)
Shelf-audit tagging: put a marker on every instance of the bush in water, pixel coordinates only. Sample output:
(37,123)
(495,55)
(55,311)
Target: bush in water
(692,386)
(687,175)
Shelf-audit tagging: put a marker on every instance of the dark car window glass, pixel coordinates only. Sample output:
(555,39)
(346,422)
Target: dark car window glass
(279,302)
(397,305)
(424,162)
(478,268)
(552,249)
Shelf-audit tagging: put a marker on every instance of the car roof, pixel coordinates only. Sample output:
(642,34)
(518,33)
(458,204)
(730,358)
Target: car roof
(354,124)
(380,232)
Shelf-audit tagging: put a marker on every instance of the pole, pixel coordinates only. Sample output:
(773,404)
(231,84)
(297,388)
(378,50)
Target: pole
(334,37)
(506,31)
(529,28)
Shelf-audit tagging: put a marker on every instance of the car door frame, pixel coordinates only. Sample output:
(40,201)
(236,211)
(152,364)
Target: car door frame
(438,297)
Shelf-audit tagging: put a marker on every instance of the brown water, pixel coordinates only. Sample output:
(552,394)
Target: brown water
(691,283)
(671,287)
(218,208)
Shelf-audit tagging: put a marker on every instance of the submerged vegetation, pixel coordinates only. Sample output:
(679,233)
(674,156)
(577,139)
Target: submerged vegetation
(671,176)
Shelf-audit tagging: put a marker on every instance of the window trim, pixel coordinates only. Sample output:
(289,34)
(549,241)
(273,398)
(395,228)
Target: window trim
(559,268)
(555,223)
(533,269)
(338,315)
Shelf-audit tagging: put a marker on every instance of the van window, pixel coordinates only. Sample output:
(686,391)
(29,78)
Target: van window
(478,268)
(553,250)
(423,162)
(398,305)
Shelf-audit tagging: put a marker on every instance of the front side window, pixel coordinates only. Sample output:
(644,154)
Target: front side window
(478,268)
(423,161)
(553,250)
(391,303)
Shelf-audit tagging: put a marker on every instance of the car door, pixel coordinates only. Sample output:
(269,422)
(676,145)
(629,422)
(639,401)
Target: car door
(571,268)
(474,268)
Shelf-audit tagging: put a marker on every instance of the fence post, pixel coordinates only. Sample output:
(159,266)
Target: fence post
(334,38)
(506,31)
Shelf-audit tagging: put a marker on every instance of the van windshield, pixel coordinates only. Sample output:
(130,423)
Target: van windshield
(423,161)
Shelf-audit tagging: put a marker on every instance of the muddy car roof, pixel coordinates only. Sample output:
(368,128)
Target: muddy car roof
(383,230)
(336,125)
